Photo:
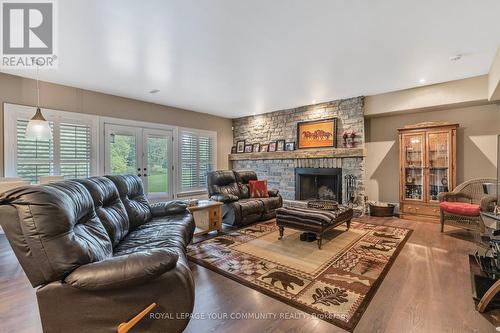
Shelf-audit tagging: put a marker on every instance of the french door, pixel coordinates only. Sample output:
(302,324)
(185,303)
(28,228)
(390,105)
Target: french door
(145,152)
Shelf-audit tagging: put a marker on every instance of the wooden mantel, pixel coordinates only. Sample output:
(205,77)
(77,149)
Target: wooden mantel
(300,154)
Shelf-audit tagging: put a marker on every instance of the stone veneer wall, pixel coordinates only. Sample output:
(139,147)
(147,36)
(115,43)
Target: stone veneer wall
(277,125)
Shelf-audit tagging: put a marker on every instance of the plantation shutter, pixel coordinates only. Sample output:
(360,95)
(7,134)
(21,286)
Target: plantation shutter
(34,158)
(75,150)
(197,157)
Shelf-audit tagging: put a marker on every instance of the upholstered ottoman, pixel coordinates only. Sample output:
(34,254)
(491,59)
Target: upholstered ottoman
(312,220)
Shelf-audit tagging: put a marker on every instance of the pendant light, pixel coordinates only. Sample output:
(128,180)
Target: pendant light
(38,127)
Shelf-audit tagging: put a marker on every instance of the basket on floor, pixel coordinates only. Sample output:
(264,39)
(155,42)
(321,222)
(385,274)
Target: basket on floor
(382,211)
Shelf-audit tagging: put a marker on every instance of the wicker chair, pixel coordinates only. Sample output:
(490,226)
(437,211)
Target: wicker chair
(471,192)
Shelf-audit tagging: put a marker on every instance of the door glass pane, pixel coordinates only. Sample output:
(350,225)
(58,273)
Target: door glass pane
(123,148)
(157,164)
(413,166)
(438,164)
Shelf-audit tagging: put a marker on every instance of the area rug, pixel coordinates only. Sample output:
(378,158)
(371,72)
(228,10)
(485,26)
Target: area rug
(335,283)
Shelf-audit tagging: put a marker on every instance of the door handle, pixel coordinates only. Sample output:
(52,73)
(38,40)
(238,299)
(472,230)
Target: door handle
(138,175)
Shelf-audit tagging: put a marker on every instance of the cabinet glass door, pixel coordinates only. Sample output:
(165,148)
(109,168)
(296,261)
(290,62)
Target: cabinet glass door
(438,153)
(413,164)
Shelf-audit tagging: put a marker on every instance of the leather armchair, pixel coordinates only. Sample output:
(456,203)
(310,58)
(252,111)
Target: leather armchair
(231,187)
(99,253)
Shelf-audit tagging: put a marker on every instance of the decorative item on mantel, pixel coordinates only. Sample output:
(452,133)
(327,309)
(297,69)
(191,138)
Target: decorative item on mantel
(280,145)
(349,134)
(240,146)
(317,134)
(345,135)
(353,136)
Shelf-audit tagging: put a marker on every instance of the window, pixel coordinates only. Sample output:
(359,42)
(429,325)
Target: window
(197,156)
(70,153)
(75,150)
(34,158)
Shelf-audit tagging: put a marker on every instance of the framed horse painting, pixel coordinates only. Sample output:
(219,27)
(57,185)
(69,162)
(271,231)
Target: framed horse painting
(317,133)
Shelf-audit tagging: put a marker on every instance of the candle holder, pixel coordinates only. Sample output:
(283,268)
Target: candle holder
(353,135)
(345,135)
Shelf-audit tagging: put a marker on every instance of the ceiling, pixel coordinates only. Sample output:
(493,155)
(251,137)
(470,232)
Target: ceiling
(235,58)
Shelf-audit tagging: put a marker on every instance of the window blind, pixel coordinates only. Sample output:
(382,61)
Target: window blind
(34,158)
(197,157)
(73,145)
(75,150)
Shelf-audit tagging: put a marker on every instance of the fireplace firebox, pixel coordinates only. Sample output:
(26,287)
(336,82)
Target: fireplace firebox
(318,183)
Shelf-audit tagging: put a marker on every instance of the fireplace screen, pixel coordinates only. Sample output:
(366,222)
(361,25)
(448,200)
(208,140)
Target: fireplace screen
(318,183)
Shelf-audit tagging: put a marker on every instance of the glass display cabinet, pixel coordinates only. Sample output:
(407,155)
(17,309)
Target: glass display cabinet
(427,167)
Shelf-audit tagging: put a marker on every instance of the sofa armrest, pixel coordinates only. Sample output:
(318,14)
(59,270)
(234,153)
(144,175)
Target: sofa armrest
(488,203)
(273,192)
(123,271)
(168,208)
(225,198)
(454,196)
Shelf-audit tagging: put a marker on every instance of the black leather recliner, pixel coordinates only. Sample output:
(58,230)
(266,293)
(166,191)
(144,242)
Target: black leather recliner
(99,253)
(231,187)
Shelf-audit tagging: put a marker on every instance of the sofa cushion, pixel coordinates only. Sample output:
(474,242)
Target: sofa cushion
(243,177)
(172,231)
(60,227)
(123,271)
(108,206)
(460,208)
(271,203)
(249,206)
(168,208)
(132,195)
(222,182)
(258,189)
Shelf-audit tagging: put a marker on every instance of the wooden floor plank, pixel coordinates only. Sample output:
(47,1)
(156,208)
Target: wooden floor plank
(427,290)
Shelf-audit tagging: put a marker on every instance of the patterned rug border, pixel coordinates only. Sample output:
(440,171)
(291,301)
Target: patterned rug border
(351,325)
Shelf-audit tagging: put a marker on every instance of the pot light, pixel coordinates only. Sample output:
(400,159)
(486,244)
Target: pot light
(455,57)
(313,101)
(422,81)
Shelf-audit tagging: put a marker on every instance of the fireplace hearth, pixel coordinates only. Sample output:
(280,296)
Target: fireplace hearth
(318,183)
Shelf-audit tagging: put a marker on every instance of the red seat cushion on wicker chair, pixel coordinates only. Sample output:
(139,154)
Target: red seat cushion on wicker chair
(258,189)
(460,208)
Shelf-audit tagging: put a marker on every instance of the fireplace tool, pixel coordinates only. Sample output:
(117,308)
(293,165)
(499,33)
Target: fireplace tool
(350,181)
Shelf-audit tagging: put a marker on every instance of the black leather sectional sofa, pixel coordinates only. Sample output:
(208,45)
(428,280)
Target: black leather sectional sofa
(231,187)
(99,253)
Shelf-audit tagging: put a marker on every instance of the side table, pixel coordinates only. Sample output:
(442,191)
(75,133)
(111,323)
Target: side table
(207,216)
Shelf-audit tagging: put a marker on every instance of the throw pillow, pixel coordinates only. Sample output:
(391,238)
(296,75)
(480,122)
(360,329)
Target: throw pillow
(258,189)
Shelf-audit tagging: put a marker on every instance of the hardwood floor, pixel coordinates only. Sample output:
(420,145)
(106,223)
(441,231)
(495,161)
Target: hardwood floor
(427,290)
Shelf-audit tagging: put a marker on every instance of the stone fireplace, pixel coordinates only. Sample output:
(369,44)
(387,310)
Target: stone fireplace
(280,168)
(318,183)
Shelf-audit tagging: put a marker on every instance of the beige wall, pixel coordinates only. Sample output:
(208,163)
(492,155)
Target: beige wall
(494,78)
(459,93)
(14,89)
(476,146)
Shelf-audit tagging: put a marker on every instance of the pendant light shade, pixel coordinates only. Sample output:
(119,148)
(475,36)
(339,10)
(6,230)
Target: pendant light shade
(38,128)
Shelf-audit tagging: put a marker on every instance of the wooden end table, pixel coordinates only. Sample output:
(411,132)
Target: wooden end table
(207,216)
